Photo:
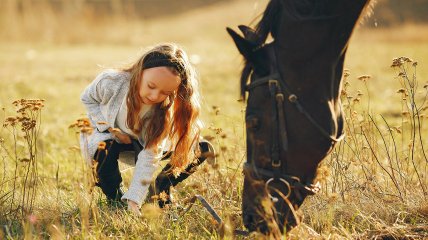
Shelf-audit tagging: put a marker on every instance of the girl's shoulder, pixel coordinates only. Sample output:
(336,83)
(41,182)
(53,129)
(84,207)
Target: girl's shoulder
(114,74)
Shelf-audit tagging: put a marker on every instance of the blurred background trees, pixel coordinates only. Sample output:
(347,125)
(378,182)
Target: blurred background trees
(387,12)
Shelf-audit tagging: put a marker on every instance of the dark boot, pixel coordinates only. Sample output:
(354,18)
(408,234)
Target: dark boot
(166,179)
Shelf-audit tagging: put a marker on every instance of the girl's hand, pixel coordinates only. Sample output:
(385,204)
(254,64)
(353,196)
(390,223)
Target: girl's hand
(133,207)
(122,137)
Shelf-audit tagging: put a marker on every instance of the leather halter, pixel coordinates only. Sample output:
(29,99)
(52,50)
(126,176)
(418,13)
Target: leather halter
(277,89)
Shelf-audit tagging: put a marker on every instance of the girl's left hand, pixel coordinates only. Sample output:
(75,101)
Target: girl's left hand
(133,207)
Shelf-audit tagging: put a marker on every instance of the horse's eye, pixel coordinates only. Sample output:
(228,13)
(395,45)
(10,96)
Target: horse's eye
(252,122)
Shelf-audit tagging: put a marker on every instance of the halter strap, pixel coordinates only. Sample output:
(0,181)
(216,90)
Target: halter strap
(292,98)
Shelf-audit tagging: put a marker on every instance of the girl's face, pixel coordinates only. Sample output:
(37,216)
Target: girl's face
(157,84)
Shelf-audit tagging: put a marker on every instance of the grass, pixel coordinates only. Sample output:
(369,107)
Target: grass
(58,66)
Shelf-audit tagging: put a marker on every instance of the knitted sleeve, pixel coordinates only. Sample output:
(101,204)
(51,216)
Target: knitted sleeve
(145,167)
(93,96)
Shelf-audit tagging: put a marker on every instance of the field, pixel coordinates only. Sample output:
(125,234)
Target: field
(369,189)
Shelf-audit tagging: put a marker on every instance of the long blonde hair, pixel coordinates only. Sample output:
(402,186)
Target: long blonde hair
(177,117)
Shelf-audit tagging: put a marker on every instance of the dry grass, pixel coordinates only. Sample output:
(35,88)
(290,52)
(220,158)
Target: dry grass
(57,66)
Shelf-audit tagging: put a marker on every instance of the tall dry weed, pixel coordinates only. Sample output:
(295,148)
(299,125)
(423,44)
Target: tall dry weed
(19,145)
(377,185)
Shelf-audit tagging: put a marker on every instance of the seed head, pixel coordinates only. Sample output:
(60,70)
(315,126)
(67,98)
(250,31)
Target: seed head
(364,78)
(346,73)
(401,90)
(102,146)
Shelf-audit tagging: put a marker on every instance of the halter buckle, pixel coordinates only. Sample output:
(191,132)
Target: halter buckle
(273,82)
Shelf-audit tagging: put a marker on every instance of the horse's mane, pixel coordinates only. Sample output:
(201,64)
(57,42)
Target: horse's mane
(267,25)
(298,10)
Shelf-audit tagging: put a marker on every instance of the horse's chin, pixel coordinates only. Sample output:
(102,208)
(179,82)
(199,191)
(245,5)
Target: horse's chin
(254,222)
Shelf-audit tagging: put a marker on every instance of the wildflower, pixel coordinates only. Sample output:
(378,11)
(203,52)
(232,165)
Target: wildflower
(396,62)
(346,73)
(163,196)
(407,60)
(401,90)
(101,146)
(177,171)
(216,166)
(205,169)
(397,129)
(333,198)
(216,130)
(208,137)
(24,160)
(364,78)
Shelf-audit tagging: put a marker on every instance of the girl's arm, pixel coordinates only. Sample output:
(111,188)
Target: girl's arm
(93,95)
(145,167)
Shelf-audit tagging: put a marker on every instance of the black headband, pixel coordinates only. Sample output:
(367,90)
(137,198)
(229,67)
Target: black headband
(156,59)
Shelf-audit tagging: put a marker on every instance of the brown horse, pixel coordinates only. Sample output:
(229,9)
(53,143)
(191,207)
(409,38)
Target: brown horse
(294,115)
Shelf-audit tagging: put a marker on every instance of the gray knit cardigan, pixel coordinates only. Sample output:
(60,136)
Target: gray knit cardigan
(102,99)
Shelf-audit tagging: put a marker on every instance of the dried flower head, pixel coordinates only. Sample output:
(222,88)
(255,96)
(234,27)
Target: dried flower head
(364,78)
(346,73)
(102,146)
(177,171)
(401,90)
(398,62)
(163,196)
(208,137)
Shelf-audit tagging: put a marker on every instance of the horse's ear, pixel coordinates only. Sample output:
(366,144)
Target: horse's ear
(244,46)
(250,34)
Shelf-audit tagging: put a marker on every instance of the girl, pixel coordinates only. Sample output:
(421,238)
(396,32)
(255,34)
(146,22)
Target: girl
(141,109)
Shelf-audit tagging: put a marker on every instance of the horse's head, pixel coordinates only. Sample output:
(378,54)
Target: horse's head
(259,211)
(293,113)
